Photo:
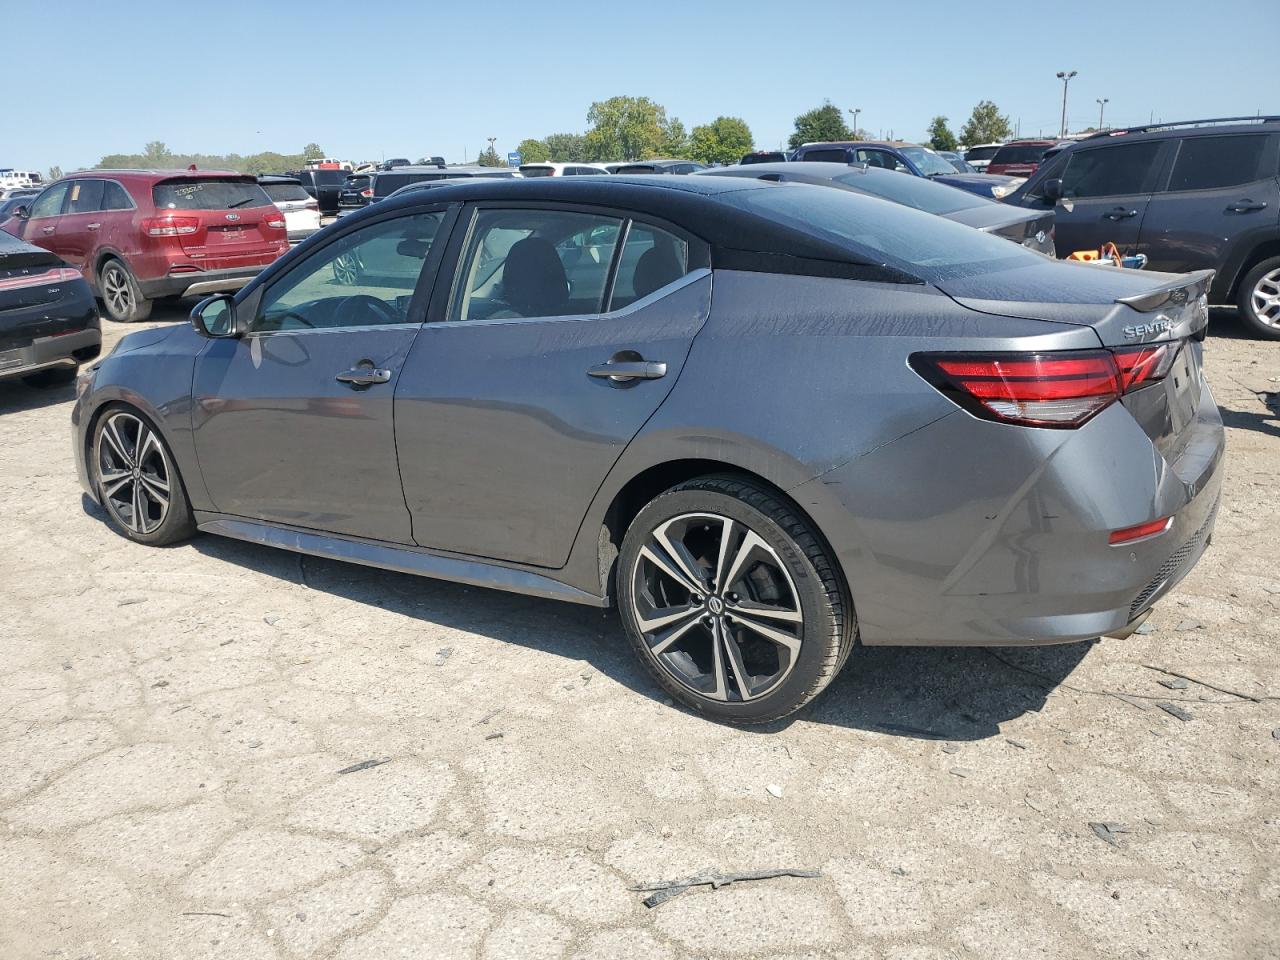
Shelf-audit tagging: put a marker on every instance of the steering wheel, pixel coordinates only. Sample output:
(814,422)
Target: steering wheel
(378,306)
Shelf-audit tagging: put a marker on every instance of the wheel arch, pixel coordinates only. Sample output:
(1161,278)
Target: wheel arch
(1262,250)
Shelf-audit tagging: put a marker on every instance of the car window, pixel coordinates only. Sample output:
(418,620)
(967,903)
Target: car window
(535,263)
(828,155)
(49,203)
(880,158)
(1020,153)
(208,194)
(285,192)
(1207,162)
(1110,171)
(363,279)
(651,259)
(114,197)
(927,161)
(85,196)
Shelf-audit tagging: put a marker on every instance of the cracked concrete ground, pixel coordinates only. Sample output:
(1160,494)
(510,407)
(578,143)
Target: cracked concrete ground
(173,723)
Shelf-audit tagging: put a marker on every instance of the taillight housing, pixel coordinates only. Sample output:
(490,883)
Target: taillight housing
(1059,390)
(170,226)
(276,221)
(43,279)
(367,192)
(312,205)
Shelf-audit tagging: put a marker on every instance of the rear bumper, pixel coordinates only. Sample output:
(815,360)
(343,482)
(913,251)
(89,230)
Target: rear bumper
(1008,545)
(67,350)
(297,236)
(199,283)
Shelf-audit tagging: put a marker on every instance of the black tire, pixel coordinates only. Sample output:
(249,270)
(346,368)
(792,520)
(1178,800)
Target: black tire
(811,586)
(120,293)
(114,447)
(1267,327)
(52,377)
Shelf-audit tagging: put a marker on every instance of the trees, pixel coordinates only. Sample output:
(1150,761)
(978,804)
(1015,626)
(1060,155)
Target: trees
(489,158)
(723,140)
(157,154)
(985,125)
(566,147)
(533,151)
(940,135)
(629,128)
(821,123)
(312,151)
(55,173)
(675,140)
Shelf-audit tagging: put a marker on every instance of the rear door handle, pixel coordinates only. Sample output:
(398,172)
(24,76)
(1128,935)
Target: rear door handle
(1246,205)
(1120,213)
(92,226)
(621,371)
(363,375)
(47,230)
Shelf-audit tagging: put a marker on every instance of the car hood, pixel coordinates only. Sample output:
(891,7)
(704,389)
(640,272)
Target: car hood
(971,180)
(149,338)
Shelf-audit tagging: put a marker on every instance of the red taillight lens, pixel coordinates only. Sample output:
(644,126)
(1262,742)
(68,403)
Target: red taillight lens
(43,279)
(1140,366)
(366,193)
(170,226)
(276,222)
(1152,528)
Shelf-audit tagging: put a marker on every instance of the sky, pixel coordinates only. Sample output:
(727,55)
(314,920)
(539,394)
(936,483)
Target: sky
(389,79)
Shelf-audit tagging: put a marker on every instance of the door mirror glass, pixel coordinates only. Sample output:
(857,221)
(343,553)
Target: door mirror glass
(1051,191)
(215,317)
(21,212)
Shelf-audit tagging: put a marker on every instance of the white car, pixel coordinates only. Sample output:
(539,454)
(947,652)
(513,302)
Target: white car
(300,209)
(980,154)
(562,169)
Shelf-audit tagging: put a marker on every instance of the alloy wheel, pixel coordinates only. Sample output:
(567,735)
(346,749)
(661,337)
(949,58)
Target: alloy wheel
(133,473)
(348,268)
(1265,299)
(117,291)
(717,608)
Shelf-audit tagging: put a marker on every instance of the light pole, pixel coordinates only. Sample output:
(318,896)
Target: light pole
(855,111)
(1102,105)
(1065,76)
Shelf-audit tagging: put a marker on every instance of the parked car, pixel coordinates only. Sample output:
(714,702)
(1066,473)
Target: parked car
(10,178)
(385,184)
(1032,229)
(1020,158)
(138,235)
(561,169)
(764,156)
(751,529)
(48,320)
(323,185)
(12,193)
(1197,195)
(393,163)
(958,163)
(10,206)
(980,154)
(660,166)
(906,158)
(356,192)
(300,209)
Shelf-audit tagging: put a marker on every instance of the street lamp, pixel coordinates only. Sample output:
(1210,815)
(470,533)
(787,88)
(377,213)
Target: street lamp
(1102,105)
(1065,77)
(855,111)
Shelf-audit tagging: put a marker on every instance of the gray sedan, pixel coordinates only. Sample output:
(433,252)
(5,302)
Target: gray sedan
(767,421)
(1031,228)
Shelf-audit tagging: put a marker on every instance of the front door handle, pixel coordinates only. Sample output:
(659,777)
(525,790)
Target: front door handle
(47,230)
(624,371)
(1246,205)
(363,374)
(92,226)
(1120,213)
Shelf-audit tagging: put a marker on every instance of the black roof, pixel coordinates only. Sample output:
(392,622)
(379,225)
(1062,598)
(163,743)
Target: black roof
(1209,126)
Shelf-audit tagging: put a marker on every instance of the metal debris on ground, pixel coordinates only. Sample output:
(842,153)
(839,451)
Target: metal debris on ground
(1015,743)
(1109,832)
(664,890)
(1177,683)
(130,601)
(1174,710)
(950,748)
(365,765)
(1184,625)
(963,772)
(494,736)
(1145,628)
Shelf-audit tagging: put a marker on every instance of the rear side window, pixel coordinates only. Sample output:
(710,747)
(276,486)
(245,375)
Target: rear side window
(208,194)
(651,259)
(980,153)
(828,155)
(1110,171)
(285,192)
(1207,162)
(85,196)
(114,197)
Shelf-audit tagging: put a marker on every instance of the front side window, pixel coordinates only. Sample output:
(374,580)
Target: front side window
(927,161)
(364,279)
(651,259)
(535,263)
(85,196)
(1207,162)
(49,203)
(1110,171)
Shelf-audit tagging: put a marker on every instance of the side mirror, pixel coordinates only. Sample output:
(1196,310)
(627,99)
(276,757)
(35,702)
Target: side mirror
(215,317)
(1051,190)
(22,212)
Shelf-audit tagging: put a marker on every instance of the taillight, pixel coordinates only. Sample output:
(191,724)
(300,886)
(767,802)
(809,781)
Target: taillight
(277,222)
(311,205)
(366,193)
(51,276)
(170,226)
(1143,531)
(1062,390)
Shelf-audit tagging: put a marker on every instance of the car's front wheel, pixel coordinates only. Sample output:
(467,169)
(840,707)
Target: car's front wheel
(121,295)
(732,600)
(137,479)
(1259,299)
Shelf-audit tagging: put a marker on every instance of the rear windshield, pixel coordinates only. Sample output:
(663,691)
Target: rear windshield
(328,177)
(913,191)
(764,158)
(980,153)
(208,194)
(828,155)
(282,192)
(385,184)
(637,168)
(536,171)
(1021,153)
(875,231)
(356,183)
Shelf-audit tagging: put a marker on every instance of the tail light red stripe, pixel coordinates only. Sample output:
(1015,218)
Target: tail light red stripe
(51,276)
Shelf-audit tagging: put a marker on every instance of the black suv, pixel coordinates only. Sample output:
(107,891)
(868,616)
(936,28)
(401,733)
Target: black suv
(356,192)
(1194,195)
(324,186)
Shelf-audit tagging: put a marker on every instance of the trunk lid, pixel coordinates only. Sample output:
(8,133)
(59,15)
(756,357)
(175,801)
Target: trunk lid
(222,222)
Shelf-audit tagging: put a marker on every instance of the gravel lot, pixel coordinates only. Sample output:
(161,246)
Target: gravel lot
(175,726)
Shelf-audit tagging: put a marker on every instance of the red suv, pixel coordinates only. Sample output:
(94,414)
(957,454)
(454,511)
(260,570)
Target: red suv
(1020,158)
(138,235)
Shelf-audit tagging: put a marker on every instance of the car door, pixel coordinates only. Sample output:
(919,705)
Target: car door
(565,331)
(79,225)
(1220,191)
(293,420)
(1105,194)
(41,226)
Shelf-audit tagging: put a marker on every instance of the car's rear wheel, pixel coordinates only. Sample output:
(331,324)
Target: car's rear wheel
(1259,299)
(732,600)
(120,293)
(137,480)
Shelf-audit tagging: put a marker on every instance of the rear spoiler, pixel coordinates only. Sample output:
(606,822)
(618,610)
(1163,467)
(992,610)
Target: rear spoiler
(1179,290)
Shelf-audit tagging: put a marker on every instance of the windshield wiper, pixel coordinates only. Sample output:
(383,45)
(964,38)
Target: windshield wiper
(241,203)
